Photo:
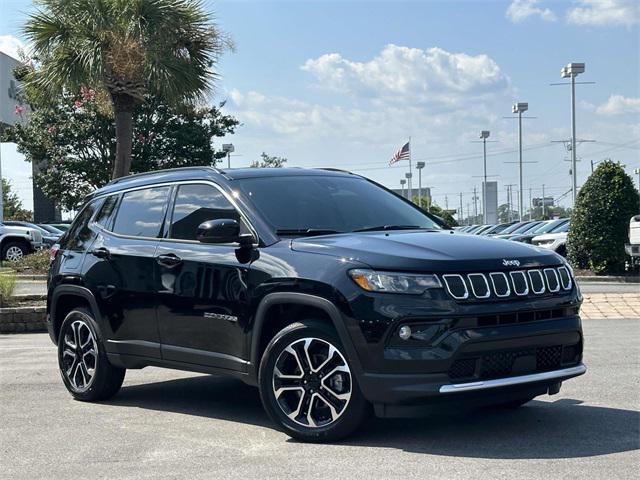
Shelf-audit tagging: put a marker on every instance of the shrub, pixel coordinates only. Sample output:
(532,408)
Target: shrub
(600,220)
(7,285)
(37,262)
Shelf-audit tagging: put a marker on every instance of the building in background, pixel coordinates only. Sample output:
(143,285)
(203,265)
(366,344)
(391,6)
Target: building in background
(13,110)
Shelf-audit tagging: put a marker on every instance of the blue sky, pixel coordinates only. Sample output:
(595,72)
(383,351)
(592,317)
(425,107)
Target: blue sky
(344,84)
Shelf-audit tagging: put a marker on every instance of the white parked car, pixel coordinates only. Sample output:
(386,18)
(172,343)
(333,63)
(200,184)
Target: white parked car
(556,241)
(633,247)
(16,242)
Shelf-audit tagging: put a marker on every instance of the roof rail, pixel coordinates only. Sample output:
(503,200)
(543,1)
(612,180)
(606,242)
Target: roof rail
(331,169)
(154,172)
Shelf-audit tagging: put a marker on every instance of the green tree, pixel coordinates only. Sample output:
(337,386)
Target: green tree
(12,205)
(129,49)
(600,220)
(269,161)
(427,205)
(73,140)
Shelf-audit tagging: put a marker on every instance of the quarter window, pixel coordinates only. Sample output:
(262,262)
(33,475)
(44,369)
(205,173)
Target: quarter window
(195,204)
(79,235)
(141,212)
(104,216)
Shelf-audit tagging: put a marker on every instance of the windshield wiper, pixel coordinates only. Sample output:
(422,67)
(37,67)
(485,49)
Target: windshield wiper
(389,227)
(306,231)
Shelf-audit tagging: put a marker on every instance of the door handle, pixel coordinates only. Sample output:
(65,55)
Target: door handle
(101,252)
(169,260)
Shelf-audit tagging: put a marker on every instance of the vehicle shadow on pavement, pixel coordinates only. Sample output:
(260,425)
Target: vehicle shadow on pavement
(206,396)
(564,428)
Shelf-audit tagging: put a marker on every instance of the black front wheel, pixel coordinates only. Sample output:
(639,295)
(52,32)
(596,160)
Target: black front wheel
(83,362)
(307,385)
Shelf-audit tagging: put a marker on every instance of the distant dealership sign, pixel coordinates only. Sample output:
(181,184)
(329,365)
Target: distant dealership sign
(539,202)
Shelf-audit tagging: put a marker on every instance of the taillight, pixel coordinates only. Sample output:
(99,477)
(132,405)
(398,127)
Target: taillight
(53,252)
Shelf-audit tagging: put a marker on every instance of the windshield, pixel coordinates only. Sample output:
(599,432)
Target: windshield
(328,204)
(548,226)
(512,228)
(51,229)
(527,227)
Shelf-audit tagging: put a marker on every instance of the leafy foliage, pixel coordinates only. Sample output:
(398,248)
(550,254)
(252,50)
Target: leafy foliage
(600,220)
(75,138)
(36,262)
(7,285)
(269,161)
(12,205)
(436,210)
(126,49)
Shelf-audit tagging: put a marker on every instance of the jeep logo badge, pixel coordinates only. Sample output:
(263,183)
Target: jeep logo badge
(510,263)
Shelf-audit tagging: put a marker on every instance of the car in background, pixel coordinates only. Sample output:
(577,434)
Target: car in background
(524,227)
(50,235)
(18,241)
(633,247)
(556,240)
(499,228)
(483,229)
(545,227)
(63,227)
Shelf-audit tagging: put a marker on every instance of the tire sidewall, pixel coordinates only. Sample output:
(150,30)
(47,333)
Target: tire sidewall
(102,361)
(6,248)
(350,418)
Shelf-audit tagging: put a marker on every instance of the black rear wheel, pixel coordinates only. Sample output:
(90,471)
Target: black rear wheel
(307,385)
(83,362)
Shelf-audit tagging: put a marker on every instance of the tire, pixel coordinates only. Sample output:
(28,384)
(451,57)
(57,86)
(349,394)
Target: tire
(299,403)
(13,251)
(79,337)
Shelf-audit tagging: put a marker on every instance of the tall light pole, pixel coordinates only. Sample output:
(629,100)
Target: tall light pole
(409,188)
(228,148)
(571,71)
(520,108)
(420,166)
(402,182)
(484,134)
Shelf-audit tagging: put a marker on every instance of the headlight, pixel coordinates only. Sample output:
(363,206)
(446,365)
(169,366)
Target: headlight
(390,282)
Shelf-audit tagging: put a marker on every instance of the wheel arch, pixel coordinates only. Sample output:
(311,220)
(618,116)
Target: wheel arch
(67,297)
(306,303)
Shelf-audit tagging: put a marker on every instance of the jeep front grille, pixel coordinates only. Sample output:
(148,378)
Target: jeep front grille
(517,283)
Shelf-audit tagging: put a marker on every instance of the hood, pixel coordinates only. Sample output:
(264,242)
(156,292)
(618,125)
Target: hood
(427,251)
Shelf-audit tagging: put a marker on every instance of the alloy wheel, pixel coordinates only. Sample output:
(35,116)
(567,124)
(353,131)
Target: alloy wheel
(312,382)
(13,254)
(79,355)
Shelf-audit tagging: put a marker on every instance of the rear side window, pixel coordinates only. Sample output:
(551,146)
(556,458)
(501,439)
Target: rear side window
(141,212)
(105,215)
(195,204)
(79,236)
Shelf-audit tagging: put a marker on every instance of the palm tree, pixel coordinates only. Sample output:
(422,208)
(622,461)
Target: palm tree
(127,48)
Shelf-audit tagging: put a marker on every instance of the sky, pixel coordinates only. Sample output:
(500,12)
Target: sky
(345,84)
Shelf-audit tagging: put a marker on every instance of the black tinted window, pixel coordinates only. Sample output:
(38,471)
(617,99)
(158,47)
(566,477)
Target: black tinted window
(329,203)
(104,216)
(79,236)
(141,212)
(196,204)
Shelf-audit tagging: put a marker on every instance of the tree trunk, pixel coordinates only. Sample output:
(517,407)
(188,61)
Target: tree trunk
(123,110)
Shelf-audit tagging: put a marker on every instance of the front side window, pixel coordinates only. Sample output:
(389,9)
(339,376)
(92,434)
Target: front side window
(196,204)
(141,212)
(329,203)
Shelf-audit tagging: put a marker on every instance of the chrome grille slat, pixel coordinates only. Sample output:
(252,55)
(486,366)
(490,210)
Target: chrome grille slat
(502,285)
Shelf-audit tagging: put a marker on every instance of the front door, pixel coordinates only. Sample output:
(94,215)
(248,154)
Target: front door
(203,287)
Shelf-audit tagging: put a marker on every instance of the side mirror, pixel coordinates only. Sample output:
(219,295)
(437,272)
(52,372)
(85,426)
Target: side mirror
(223,230)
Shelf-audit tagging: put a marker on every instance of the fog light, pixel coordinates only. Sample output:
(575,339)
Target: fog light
(405,332)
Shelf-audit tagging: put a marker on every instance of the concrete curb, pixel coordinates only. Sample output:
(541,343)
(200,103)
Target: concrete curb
(607,279)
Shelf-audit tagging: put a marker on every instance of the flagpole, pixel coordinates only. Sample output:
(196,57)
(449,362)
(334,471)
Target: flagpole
(410,174)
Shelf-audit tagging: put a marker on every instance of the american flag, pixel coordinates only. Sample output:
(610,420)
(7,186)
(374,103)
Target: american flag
(402,154)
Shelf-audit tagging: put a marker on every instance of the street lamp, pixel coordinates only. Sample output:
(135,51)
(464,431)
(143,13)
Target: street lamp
(402,182)
(571,71)
(420,166)
(520,108)
(409,189)
(228,148)
(484,134)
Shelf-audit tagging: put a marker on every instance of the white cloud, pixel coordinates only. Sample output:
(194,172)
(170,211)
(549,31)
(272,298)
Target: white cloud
(619,105)
(605,12)
(11,46)
(411,74)
(520,10)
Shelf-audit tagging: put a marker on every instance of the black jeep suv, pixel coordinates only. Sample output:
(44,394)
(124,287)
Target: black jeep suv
(327,291)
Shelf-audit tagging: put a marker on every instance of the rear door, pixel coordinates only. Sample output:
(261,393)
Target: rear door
(203,287)
(120,268)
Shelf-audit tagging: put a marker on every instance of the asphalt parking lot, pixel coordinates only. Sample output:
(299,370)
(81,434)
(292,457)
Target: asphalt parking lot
(168,424)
